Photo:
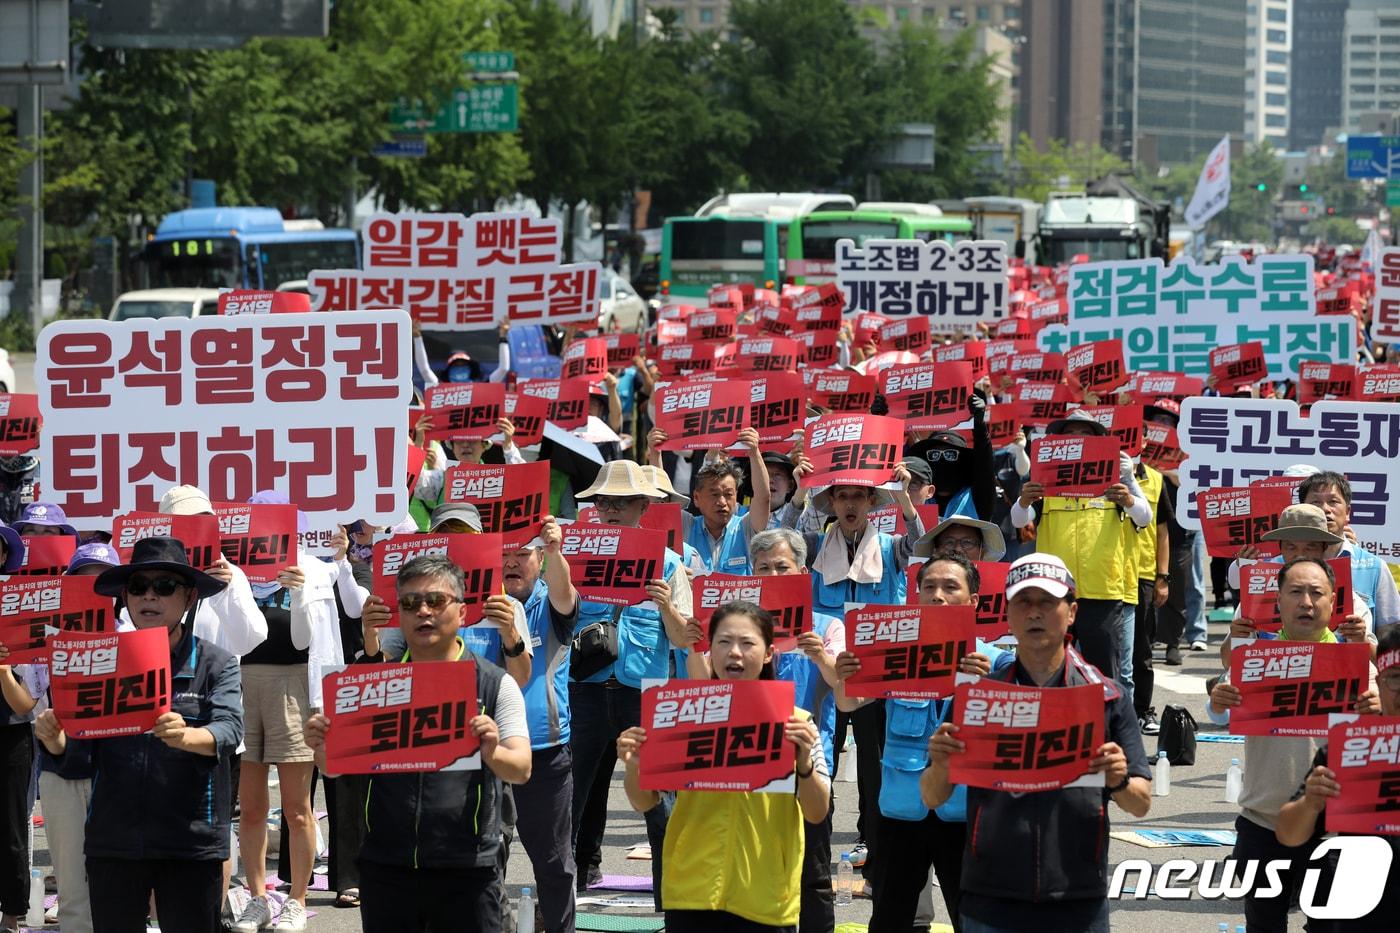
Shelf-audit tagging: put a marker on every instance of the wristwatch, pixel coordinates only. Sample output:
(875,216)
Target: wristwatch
(514,652)
(1121,785)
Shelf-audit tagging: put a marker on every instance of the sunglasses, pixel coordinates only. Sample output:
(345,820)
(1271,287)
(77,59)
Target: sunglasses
(161,586)
(409,602)
(933,456)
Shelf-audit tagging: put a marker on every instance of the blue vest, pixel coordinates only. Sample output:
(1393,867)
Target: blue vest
(1366,570)
(889,591)
(484,640)
(733,551)
(802,671)
(960,504)
(643,650)
(909,724)
(547,691)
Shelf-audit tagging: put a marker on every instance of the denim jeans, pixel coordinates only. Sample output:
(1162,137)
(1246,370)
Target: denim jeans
(1127,627)
(598,715)
(1196,591)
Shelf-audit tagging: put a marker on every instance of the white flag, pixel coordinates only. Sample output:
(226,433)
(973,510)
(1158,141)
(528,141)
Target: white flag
(1371,248)
(1213,188)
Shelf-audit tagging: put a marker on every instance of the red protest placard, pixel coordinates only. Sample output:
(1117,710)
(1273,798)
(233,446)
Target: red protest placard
(889,519)
(612,564)
(107,685)
(1160,448)
(766,354)
(1077,467)
(585,358)
(241,301)
(867,327)
(198,533)
(1318,380)
(664,517)
(1259,593)
(991,601)
(478,556)
(1044,313)
(259,539)
(1295,687)
(33,608)
(1237,365)
(775,319)
(416,457)
(718,735)
(908,652)
(567,401)
(1037,367)
(19,424)
(46,555)
(464,411)
(1235,516)
(788,598)
(910,335)
(512,499)
(1378,383)
(527,415)
(1039,403)
(818,347)
(853,450)
(843,391)
(819,308)
(713,324)
(679,359)
(726,297)
(1014,327)
(1365,757)
(666,332)
(1123,422)
(702,415)
(1025,739)
(1149,386)
(973,352)
(402,717)
(622,350)
(777,406)
(1098,366)
(928,396)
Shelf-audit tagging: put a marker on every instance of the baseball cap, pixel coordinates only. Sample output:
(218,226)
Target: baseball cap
(45,515)
(919,470)
(185,500)
(463,512)
(94,552)
(1043,571)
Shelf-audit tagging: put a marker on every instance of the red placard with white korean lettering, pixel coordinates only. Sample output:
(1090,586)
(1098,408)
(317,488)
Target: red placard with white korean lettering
(1039,403)
(853,450)
(702,415)
(1237,365)
(1318,379)
(775,319)
(106,685)
(928,396)
(512,498)
(1098,366)
(1123,422)
(726,297)
(767,354)
(19,424)
(622,350)
(818,347)
(527,415)
(1378,383)
(1259,593)
(680,358)
(1160,448)
(908,652)
(241,301)
(1025,739)
(46,555)
(401,717)
(777,407)
(664,517)
(1076,467)
(718,735)
(991,600)
(1365,757)
(819,308)
(464,411)
(611,564)
(910,335)
(843,391)
(33,608)
(1235,516)
(566,400)
(260,538)
(973,352)
(714,323)
(198,533)
(1037,367)
(788,598)
(585,358)
(1149,386)
(1294,688)
(1044,313)
(890,518)
(478,556)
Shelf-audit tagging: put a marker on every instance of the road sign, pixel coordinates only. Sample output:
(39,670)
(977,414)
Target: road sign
(482,108)
(1373,156)
(1392,193)
(401,147)
(489,61)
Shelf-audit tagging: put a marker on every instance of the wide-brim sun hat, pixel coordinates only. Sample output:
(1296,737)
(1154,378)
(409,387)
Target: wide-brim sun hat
(157,554)
(623,479)
(185,500)
(993,542)
(1078,416)
(821,499)
(661,481)
(44,515)
(1302,523)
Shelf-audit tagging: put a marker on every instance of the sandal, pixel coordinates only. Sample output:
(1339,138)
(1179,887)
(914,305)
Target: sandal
(350,897)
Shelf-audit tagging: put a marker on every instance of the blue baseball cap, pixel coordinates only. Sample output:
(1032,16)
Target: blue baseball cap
(14,549)
(94,552)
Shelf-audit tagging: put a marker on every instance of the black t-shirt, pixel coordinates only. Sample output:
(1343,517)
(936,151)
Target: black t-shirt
(278,648)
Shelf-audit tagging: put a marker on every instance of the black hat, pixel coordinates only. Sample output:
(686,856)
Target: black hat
(773,458)
(157,554)
(919,470)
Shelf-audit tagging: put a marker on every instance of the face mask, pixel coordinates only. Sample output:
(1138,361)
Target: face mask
(459,373)
(264,590)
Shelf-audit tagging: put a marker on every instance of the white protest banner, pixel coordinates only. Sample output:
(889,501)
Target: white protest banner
(1212,188)
(956,286)
(1234,441)
(1385,316)
(310,404)
(452,272)
(1169,319)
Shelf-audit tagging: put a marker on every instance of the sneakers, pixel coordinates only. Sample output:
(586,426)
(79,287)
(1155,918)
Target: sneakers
(292,916)
(1199,645)
(1148,722)
(1174,655)
(588,877)
(858,854)
(256,916)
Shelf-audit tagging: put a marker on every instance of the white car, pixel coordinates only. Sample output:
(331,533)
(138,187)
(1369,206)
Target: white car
(621,308)
(7,372)
(165,302)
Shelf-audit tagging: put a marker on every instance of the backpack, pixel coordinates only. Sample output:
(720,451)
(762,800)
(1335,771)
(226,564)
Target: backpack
(1178,735)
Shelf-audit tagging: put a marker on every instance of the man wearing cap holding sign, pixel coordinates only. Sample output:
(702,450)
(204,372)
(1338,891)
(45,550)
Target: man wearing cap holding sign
(159,819)
(1010,881)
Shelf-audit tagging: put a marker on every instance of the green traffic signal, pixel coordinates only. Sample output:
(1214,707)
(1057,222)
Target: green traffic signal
(1261,187)
(1303,188)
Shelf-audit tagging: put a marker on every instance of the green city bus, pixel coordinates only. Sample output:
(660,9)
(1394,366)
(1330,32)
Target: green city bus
(811,241)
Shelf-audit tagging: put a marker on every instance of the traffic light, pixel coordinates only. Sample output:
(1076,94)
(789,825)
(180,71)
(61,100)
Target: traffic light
(1331,212)
(1261,187)
(1303,188)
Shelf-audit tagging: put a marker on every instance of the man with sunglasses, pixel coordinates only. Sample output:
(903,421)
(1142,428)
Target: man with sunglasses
(159,818)
(429,859)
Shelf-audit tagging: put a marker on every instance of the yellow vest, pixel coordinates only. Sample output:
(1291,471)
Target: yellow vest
(1146,540)
(1090,536)
(736,852)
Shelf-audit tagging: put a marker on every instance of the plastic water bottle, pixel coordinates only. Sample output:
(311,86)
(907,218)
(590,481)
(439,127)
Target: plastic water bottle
(1239,928)
(1234,781)
(525,912)
(848,762)
(35,918)
(1224,927)
(845,880)
(1162,776)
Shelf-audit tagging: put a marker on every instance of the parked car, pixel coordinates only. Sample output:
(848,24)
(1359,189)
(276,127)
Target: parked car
(165,302)
(621,307)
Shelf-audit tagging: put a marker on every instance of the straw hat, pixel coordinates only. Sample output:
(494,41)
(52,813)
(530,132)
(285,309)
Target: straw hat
(821,500)
(658,478)
(993,542)
(621,478)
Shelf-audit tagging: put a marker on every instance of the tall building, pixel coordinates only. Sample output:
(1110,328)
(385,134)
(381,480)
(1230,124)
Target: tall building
(1315,80)
(1268,48)
(1371,79)
(1061,81)
(713,14)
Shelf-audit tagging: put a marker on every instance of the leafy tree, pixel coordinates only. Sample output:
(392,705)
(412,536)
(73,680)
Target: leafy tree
(1061,166)
(1250,215)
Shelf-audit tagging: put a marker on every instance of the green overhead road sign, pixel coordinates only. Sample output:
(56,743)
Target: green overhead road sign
(489,61)
(482,108)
